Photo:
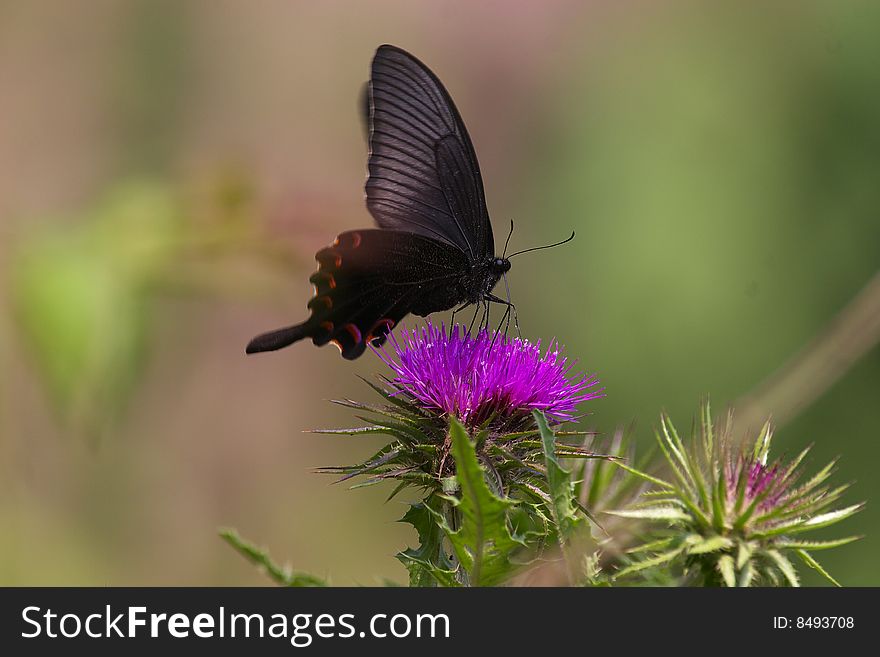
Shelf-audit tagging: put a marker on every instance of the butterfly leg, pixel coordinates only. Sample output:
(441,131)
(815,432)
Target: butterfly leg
(484,320)
(510,308)
(457,310)
(505,317)
(474,318)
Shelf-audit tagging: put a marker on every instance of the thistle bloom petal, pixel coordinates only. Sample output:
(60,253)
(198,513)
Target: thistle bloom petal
(486,376)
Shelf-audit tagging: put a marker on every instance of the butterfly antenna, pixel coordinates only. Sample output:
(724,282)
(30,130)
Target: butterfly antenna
(507,241)
(546,246)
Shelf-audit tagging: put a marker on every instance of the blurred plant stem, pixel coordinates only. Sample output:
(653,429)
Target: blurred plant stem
(807,376)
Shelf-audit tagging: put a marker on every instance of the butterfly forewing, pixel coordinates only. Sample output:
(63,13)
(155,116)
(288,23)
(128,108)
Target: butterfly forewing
(423,173)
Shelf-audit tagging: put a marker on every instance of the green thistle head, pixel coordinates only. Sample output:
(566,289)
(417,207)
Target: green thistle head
(728,515)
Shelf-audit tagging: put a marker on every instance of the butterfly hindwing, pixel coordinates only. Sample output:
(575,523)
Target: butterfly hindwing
(423,173)
(368,280)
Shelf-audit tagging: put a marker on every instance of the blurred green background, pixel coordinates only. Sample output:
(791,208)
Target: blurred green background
(168,169)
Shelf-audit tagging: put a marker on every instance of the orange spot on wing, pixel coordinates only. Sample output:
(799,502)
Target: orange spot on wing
(354,332)
(328,258)
(356,240)
(385,323)
(322,277)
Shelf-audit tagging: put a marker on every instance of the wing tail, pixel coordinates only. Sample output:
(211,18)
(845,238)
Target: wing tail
(279,338)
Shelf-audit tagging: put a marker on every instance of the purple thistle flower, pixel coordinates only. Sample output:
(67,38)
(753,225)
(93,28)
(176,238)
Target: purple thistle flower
(479,377)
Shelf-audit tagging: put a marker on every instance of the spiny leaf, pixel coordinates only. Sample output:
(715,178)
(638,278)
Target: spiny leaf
(652,546)
(746,575)
(816,479)
(785,566)
(743,554)
(645,476)
(711,544)
(829,518)
(674,456)
(354,431)
(259,557)
(719,501)
(816,545)
(653,513)
(428,565)
(708,431)
(815,565)
(563,509)
(762,444)
(397,400)
(483,543)
(726,570)
(399,430)
(399,487)
(651,562)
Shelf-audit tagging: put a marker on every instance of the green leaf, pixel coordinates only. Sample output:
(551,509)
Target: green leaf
(762,444)
(674,451)
(831,517)
(260,558)
(719,501)
(654,513)
(746,575)
(743,554)
(563,508)
(808,559)
(798,525)
(401,430)
(785,566)
(651,562)
(651,546)
(712,544)
(428,565)
(483,543)
(727,570)
(354,431)
(816,545)
(708,431)
(816,479)
(645,476)
(397,400)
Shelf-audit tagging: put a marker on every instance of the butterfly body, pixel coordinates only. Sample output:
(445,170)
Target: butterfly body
(433,249)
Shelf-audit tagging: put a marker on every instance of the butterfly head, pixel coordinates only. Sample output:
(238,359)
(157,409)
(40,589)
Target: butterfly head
(500,266)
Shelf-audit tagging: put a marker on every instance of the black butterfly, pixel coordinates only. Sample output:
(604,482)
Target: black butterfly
(433,249)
